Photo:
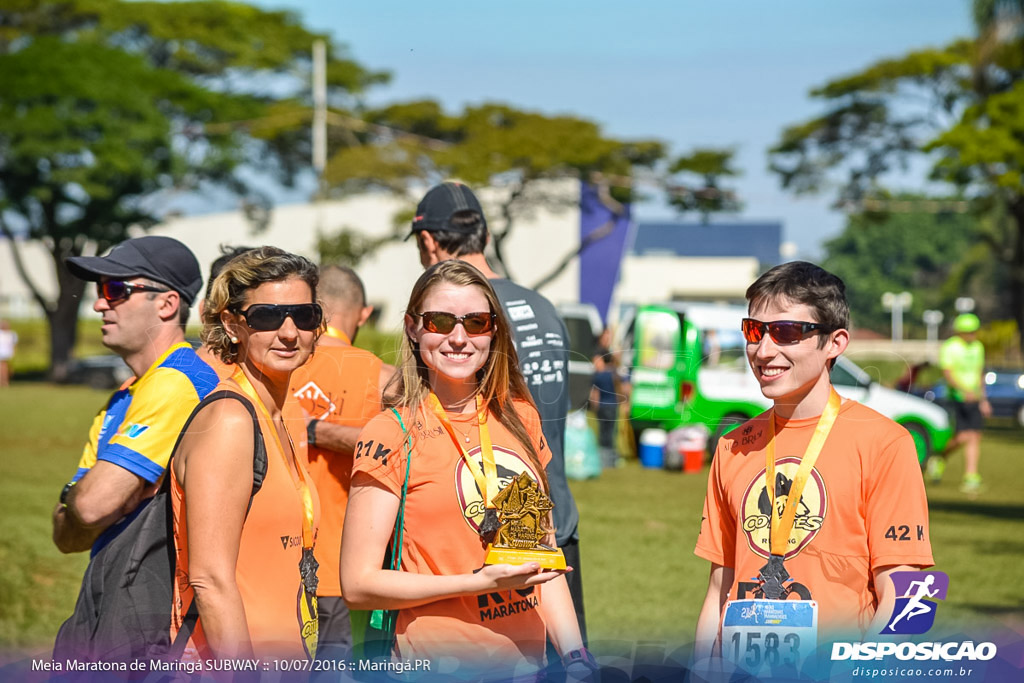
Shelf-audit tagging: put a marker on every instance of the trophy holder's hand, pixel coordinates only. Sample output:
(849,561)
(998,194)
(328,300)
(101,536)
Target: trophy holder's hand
(513,576)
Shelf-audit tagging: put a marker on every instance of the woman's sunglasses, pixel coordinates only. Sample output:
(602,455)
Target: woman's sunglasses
(119,290)
(782,332)
(443,323)
(266,317)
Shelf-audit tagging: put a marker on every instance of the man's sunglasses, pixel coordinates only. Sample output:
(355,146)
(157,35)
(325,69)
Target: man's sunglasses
(443,323)
(119,290)
(266,317)
(782,332)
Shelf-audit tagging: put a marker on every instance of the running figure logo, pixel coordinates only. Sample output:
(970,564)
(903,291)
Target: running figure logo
(914,611)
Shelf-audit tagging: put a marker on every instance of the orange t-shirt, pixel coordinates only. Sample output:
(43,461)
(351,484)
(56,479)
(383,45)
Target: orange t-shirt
(863,507)
(340,385)
(281,617)
(442,512)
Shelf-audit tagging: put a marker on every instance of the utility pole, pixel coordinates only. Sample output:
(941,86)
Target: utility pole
(319,135)
(319,111)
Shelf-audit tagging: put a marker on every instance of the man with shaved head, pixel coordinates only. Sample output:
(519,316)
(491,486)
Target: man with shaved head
(340,391)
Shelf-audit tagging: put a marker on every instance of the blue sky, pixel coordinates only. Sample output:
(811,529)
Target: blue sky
(722,73)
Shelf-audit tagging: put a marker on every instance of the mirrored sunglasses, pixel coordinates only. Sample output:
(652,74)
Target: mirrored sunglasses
(443,323)
(119,290)
(782,332)
(266,317)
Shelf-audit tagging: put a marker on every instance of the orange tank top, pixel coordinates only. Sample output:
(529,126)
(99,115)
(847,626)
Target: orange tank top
(281,617)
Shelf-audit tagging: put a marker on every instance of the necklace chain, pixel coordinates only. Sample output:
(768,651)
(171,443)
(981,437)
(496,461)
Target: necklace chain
(468,432)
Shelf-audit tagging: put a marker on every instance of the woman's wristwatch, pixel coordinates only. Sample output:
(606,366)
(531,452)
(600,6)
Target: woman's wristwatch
(311,432)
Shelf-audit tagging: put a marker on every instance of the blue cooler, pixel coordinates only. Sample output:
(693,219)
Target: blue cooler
(652,447)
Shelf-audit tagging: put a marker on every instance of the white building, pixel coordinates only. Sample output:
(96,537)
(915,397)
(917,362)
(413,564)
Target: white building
(538,242)
(663,261)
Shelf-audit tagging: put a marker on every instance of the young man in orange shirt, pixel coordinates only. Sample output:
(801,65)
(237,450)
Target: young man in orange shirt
(339,390)
(833,530)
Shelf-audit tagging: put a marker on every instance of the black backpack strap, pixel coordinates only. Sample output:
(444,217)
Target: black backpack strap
(259,473)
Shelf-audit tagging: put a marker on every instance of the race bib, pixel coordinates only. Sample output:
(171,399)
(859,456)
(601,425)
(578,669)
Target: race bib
(769,637)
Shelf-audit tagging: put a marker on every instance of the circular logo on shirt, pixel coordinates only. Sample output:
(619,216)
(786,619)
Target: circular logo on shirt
(471,501)
(757,512)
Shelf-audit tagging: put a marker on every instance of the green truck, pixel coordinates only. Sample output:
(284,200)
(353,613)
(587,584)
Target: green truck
(687,366)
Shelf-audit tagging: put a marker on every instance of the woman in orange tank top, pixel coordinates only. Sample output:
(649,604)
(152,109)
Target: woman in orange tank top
(248,568)
(473,428)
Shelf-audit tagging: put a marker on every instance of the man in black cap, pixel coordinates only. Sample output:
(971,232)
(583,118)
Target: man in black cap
(144,289)
(450,224)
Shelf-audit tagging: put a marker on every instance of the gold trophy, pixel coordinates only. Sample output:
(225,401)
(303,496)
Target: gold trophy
(523,512)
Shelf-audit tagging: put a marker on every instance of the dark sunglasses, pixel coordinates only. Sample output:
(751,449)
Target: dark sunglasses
(782,332)
(266,317)
(119,290)
(443,323)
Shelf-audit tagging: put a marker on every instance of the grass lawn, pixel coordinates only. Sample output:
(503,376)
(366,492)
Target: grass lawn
(43,430)
(641,579)
(32,358)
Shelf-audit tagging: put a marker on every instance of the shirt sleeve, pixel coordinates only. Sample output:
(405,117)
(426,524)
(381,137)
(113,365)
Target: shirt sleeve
(151,425)
(896,507)
(88,458)
(717,540)
(380,451)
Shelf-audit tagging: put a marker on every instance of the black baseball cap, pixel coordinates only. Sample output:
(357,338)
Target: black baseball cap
(437,207)
(161,259)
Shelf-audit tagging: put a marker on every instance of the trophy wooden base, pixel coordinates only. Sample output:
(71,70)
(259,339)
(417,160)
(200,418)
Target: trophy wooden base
(548,559)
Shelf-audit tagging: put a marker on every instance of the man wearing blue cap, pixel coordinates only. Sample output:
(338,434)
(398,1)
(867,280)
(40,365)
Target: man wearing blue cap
(962,359)
(144,289)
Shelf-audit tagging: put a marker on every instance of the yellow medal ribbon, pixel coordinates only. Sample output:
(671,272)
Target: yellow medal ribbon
(302,486)
(335,333)
(780,532)
(486,480)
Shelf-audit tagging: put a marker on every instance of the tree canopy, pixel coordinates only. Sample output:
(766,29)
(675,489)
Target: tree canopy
(710,166)
(959,108)
(916,250)
(104,103)
(418,141)
(498,143)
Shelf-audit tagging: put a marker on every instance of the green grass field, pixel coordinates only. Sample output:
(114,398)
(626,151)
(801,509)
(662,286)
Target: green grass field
(638,528)
(32,359)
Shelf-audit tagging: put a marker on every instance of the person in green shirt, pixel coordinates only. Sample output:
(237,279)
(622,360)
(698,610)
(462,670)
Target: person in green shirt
(962,359)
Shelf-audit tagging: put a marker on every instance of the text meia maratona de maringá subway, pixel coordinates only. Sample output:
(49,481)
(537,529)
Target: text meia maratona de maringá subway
(189,667)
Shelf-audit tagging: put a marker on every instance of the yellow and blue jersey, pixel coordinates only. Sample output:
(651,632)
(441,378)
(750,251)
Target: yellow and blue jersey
(139,426)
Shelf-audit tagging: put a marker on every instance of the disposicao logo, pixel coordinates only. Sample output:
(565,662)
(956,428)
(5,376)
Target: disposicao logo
(914,613)
(915,609)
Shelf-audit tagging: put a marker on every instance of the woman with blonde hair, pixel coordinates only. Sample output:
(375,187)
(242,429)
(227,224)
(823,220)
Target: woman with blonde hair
(472,427)
(247,564)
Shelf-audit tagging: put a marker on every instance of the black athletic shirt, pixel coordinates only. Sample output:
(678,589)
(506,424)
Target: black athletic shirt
(542,343)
